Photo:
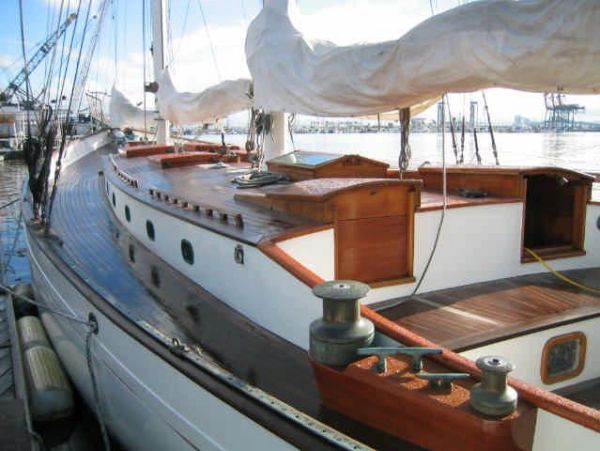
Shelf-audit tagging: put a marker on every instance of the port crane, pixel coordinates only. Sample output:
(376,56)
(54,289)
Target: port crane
(15,84)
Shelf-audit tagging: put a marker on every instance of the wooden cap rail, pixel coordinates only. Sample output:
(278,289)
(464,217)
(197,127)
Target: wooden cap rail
(553,403)
(200,208)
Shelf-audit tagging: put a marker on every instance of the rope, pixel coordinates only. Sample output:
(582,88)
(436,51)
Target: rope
(405,151)
(90,364)
(9,203)
(558,274)
(44,306)
(291,125)
(210,43)
(144,66)
(444,205)
(92,330)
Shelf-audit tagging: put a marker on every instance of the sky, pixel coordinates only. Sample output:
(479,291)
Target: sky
(200,56)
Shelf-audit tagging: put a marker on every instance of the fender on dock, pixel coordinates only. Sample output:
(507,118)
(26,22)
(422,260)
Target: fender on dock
(50,393)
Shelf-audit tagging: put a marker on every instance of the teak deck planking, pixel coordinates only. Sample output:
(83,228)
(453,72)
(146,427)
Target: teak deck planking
(470,316)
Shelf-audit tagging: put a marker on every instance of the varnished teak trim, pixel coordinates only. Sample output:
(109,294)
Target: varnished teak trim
(573,336)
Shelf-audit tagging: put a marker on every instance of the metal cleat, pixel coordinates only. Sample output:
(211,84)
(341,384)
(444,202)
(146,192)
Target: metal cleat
(416,354)
(442,381)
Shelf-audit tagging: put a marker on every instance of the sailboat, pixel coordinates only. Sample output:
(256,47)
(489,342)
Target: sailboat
(348,305)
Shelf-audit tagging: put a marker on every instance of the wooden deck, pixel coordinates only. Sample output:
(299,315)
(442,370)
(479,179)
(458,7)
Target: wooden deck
(474,315)
(96,248)
(211,188)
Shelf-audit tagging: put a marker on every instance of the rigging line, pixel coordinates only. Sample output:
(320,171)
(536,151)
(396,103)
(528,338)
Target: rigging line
(144,67)
(490,128)
(210,43)
(50,73)
(444,205)
(185,19)
(64,134)
(70,55)
(27,84)
(44,306)
(116,23)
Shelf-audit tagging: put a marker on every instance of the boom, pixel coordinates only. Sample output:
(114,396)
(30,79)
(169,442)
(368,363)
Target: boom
(36,59)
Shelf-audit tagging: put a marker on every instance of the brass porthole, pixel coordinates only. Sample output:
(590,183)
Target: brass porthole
(563,357)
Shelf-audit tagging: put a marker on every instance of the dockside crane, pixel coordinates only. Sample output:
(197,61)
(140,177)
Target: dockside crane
(15,84)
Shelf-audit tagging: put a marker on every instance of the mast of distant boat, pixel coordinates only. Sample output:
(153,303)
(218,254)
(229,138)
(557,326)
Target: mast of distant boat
(159,27)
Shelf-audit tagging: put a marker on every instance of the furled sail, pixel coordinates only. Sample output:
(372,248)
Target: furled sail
(216,102)
(531,45)
(124,114)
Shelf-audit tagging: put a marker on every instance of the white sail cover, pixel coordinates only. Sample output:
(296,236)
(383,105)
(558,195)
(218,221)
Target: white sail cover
(125,114)
(539,45)
(213,103)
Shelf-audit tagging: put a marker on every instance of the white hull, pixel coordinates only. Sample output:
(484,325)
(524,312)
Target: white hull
(146,402)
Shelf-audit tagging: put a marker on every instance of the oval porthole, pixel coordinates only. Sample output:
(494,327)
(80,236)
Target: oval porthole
(187,252)
(154,277)
(150,230)
(563,357)
(127,213)
(107,190)
(131,253)
(114,200)
(598,223)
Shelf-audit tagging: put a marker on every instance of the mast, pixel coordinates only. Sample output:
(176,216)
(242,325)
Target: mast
(159,35)
(276,137)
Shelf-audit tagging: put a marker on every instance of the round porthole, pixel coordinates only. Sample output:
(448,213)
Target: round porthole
(114,200)
(150,230)
(187,252)
(127,213)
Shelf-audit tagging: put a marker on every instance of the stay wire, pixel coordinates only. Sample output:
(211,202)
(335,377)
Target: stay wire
(210,42)
(64,134)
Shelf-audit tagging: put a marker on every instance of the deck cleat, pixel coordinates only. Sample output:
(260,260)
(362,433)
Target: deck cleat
(417,355)
(442,381)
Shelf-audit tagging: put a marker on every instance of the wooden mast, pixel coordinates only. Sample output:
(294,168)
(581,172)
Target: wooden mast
(159,28)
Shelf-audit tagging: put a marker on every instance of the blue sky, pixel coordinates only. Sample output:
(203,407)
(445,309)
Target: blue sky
(190,55)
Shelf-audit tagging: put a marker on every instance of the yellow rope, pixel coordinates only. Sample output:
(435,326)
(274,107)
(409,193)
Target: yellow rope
(559,275)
